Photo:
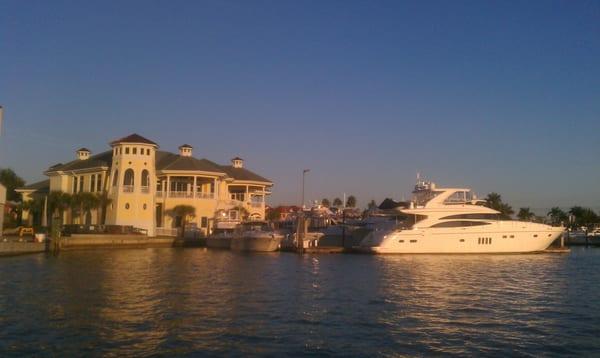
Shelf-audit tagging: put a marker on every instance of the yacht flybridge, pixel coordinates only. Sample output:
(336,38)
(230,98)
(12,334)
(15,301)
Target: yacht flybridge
(452,220)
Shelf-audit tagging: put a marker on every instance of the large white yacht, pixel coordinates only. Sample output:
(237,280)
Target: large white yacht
(451,220)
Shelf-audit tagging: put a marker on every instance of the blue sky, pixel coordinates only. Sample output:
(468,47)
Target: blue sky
(499,96)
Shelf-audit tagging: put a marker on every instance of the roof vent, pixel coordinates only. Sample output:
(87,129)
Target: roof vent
(237,162)
(185,150)
(83,153)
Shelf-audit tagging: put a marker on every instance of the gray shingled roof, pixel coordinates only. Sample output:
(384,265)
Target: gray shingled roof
(103,159)
(170,161)
(40,186)
(134,138)
(243,174)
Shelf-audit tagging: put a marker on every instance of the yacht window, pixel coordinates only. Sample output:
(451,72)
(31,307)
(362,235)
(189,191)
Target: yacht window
(460,223)
(413,240)
(400,241)
(535,235)
(504,236)
(477,216)
(462,240)
(512,236)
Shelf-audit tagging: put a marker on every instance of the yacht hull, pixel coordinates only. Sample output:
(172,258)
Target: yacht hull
(256,243)
(507,237)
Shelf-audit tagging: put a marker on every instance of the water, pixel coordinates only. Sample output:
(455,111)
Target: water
(191,301)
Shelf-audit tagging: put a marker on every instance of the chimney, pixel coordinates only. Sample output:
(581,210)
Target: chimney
(185,150)
(237,162)
(83,153)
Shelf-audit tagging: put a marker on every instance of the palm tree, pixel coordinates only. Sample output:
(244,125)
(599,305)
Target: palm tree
(58,202)
(494,201)
(325,202)
(87,203)
(34,208)
(351,202)
(103,203)
(337,202)
(183,211)
(75,206)
(557,216)
(583,217)
(525,214)
(372,205)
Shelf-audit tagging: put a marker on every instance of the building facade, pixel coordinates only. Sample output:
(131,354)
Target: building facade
(141,185)
(2,203)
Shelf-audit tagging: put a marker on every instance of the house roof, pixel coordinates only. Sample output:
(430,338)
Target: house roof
(133,138)
(103,159)
(84,149)
(185,146)
(170,161)
(243,174)
(42,186)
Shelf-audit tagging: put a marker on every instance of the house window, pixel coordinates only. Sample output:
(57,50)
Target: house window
(81,183)
(147,151)
(134,150)
(127,206)
(93,183)
(204,222)
(145,178)
(128,178)
(126,150)
(99,183)
(116,178)
(74,185)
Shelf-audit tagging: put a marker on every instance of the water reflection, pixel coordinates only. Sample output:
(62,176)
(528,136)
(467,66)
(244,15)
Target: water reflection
(182,301)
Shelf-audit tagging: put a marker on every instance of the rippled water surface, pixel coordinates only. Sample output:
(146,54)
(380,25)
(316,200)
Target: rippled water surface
(192,301)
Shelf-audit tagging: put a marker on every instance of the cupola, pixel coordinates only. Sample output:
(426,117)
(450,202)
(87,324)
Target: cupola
(237,162)
(185,150)
(83,153)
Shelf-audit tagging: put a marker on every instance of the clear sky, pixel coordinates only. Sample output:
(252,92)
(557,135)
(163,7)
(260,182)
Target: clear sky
(499,96)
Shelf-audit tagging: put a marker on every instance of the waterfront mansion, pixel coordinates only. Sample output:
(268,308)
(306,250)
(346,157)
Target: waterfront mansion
(144,184)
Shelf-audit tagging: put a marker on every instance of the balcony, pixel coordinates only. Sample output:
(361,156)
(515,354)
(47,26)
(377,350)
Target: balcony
(128,188)
(203,195)
(145,189)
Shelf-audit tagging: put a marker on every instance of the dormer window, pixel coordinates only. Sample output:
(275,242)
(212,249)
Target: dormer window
(185,150)
(237,162)
(83,153)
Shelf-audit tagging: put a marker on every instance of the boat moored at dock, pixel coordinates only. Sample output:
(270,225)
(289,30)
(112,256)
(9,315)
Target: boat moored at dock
(256,236)
(451,220)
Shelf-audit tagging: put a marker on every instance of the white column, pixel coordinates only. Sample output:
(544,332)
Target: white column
(194,187)
(168,188)
(216,189)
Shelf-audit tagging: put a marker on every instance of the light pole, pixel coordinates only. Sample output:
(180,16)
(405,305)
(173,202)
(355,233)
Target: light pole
(303,175)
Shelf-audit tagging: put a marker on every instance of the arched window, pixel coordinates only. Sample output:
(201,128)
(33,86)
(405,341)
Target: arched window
(128,178)
(145,181)
(128,181)
(116,178)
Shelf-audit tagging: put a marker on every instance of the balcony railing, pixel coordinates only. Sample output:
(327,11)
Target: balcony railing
(181,194)
(128,188)
(145,189)
(237,196)
(203,195)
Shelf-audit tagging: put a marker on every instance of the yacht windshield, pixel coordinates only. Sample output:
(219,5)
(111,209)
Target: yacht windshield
(459,197)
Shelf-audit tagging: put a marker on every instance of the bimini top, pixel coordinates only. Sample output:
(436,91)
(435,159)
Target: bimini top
(428,196)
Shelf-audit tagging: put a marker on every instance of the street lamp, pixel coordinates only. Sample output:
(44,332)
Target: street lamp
(303,175)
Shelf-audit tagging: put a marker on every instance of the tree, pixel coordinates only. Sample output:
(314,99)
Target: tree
(372,205)
(183,211)
(87,203)
(58,202)
(11,181)
(337,202)
(103,203)
(525,214)
(34,208)
(351,202)
(583,217)
(325,202)
(494,201)
(557,216)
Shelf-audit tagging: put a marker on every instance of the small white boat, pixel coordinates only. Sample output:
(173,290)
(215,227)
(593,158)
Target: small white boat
(257,236)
